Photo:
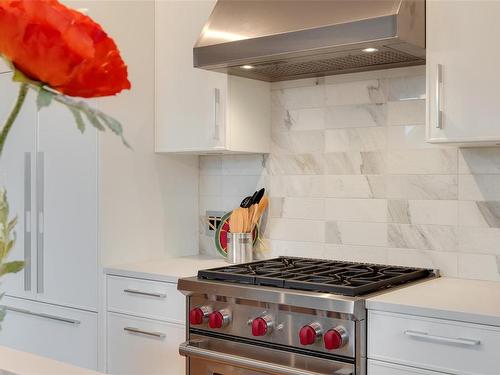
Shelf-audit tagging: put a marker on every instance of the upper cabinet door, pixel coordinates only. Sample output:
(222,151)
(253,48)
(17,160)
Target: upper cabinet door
(190,102)
(67,190)
(17,176)
(462,72)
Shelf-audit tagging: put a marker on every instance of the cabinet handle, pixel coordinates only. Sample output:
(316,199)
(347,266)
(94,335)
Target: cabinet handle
(40,222)
(42,315)
(439,84)
(216,114)
(443,339)
(134,291)
(159,335)
(27,221)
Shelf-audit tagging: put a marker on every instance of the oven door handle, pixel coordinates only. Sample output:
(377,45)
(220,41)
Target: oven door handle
(235,360)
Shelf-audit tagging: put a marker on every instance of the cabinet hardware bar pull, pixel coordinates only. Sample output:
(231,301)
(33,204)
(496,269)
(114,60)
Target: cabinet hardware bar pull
(40,223)
(216,113)
(451,340)
(439,83)
(142,332)
(27,221)
(134,291)
(42,315)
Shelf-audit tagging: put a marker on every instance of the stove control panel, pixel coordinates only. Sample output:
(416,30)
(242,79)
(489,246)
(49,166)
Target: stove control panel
(310,333)
(262,325)
(199,315)
(335,338)
(219,319)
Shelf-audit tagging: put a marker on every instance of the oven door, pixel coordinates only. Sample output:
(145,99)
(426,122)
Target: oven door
(214,356)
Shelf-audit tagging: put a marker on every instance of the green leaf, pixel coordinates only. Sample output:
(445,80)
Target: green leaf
(115,127)
(44,98)
(11,267)
(12,224)
(78,118)
(93,119)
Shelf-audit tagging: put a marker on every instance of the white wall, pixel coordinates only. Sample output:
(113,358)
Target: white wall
(350,177)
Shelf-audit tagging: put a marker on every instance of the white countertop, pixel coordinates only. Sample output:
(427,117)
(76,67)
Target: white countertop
(22,363)
(168,269)
(447,298)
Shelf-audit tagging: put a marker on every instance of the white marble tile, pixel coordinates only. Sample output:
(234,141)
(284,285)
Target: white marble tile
(296,186)
(406,112)
(298,142)
(303,208)
(300,249)
(359,139)
(210,165)
(479,160)
(407,138)
(300,97)
(240,186)
(428,161)
(209,203)
(349,186)
(404,88)
(484,214)
(356,92)
(354,233)
(345,163)
(242,165)
(355,116)
(445,262)
(479,187)
(479,266)
(480,240)
(422,187)
(295,164)
(298,119)
(423,237)
(210,185)
(439,212)
(364,210)
(296,230)
(365,254)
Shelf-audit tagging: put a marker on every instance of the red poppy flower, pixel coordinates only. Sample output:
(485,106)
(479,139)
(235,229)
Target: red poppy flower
(61,47)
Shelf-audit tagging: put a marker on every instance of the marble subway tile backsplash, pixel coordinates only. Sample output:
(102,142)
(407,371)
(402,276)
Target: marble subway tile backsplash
(351,177)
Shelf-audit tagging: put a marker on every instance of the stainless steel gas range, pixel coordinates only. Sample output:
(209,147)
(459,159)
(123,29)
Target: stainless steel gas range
(284,316)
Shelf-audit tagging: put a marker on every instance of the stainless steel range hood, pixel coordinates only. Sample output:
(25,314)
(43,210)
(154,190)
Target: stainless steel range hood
(275,40)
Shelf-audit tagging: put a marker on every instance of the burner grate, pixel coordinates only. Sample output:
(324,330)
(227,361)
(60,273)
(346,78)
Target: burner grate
(347,278)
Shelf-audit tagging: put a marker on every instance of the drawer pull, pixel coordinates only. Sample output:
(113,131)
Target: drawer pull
(450,340)
(134,291)
(142,332)
(42,315)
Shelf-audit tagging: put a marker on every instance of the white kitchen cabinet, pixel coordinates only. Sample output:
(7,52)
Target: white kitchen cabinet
(198,111)
(67,335)
(384,368)
(17,176)
(138,346)
(461,40)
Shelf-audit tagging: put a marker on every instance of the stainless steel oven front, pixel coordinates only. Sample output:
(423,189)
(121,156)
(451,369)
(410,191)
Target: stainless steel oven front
(207,355)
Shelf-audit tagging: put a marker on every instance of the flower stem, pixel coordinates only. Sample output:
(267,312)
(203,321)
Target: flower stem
(23,90)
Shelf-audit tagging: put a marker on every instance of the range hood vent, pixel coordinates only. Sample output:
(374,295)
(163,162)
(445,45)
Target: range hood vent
(276,40)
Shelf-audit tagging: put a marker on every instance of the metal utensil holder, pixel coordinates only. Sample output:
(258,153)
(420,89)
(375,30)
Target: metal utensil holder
(239,248)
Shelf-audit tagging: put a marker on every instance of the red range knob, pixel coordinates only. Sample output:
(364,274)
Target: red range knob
(335,338)
(198,315)
(307,335)
(261,326)
(218,319)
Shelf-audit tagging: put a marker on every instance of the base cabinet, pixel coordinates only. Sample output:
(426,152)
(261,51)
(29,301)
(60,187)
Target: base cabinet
(138,346)
(383,368)
(63,334)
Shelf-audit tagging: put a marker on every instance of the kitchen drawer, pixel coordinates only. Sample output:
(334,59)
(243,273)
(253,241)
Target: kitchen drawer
(435,344)
(146,298)
(384,368)
(138,346)
(63,334)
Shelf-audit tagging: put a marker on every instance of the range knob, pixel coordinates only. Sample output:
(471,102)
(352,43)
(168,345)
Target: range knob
(310,333)
(218,319)
(262,325)
(199,315)
(335,338)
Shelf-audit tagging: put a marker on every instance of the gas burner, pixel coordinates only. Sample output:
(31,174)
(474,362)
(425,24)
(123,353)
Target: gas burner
(346,278)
